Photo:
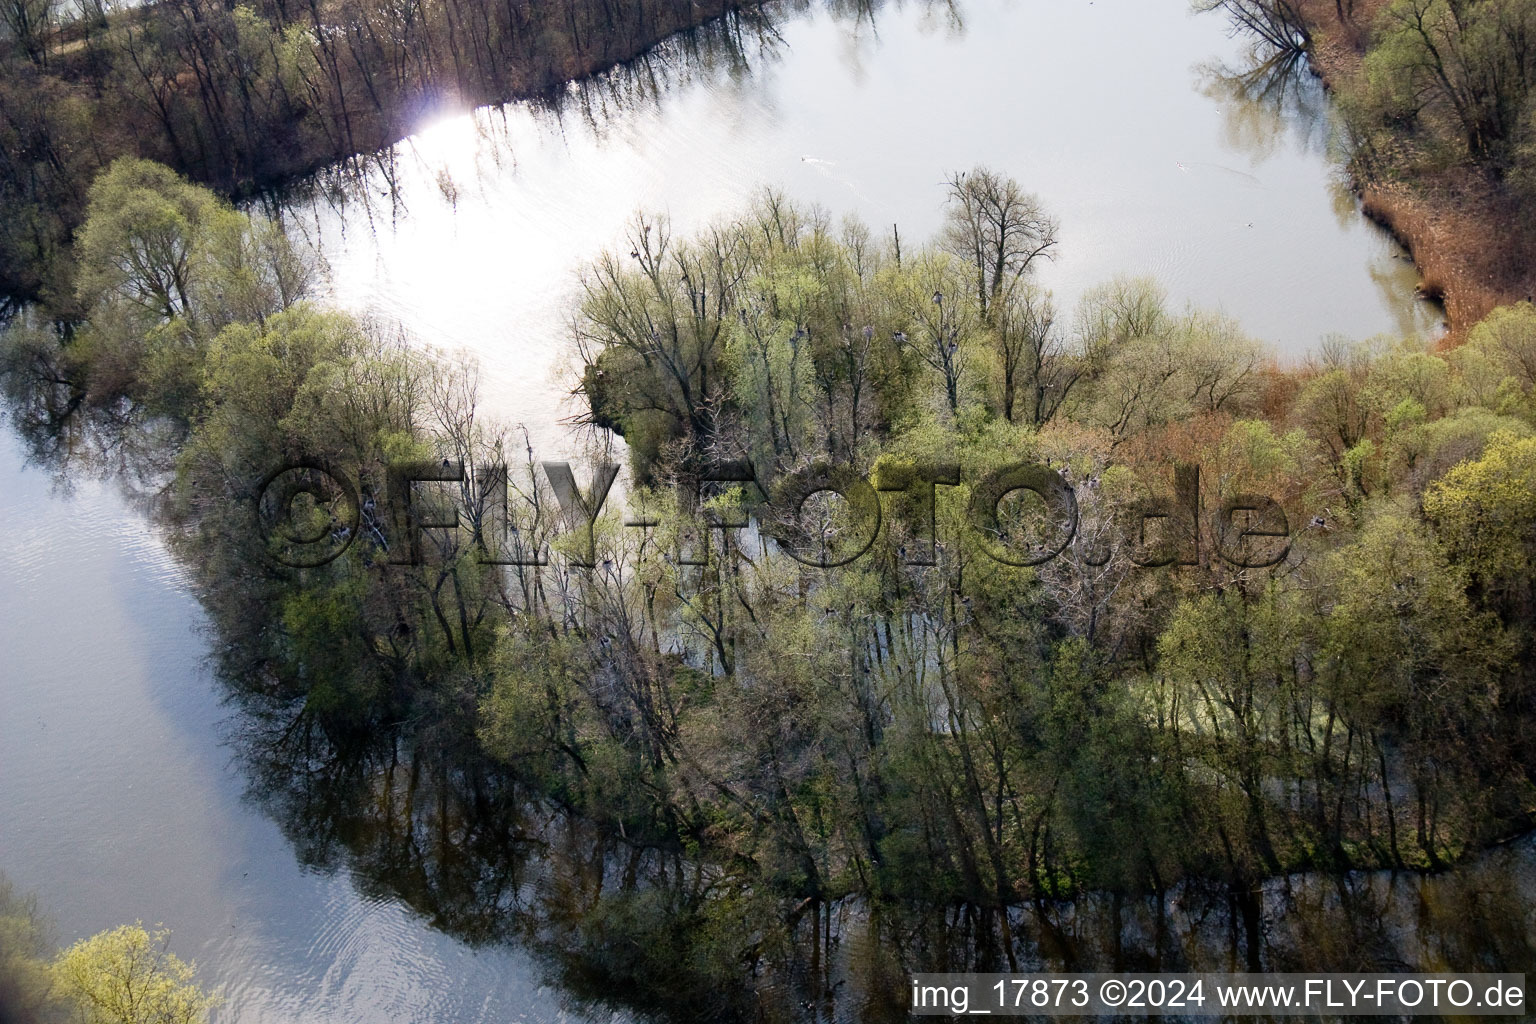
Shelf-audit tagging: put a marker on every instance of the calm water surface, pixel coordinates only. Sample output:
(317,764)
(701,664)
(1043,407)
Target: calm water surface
(119,795)
(1120,114)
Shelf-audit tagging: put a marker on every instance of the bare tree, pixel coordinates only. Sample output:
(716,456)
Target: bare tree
(661,317)
(997,227)
(1037,364)
(28,22)
(941,325)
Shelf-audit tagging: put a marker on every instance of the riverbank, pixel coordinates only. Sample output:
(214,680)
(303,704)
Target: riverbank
(1445,216)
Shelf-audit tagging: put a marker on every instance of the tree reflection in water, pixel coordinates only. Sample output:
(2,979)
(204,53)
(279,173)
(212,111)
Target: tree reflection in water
(411,808)
(416,813)
(481,856)
(1274,96)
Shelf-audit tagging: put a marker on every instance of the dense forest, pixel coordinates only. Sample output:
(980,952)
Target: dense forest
(923,716)
(924,726)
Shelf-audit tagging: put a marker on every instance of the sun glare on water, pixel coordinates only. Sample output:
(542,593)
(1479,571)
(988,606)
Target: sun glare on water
(449,149)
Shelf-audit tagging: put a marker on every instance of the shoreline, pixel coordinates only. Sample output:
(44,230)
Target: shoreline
(359,104)
(1443,218)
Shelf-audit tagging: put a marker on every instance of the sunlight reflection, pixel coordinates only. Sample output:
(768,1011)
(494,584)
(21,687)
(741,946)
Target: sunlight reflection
(449,147)
(491,217)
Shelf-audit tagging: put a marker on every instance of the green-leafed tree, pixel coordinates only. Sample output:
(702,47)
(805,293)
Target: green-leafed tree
(128,976)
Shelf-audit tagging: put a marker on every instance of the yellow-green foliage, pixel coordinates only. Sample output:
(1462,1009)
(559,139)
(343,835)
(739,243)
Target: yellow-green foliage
(942,728)
(163,265)
(128,976)
(1486,510)
(1466,62)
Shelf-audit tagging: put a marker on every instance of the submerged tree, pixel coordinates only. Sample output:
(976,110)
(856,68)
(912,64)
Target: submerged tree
(751,703)
(26,984)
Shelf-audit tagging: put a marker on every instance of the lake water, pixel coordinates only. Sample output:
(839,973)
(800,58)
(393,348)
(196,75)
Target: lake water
(121,796)
(1120,114)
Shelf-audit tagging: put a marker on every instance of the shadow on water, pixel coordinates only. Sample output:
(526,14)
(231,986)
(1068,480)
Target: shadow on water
(1270,96)
(483,857)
